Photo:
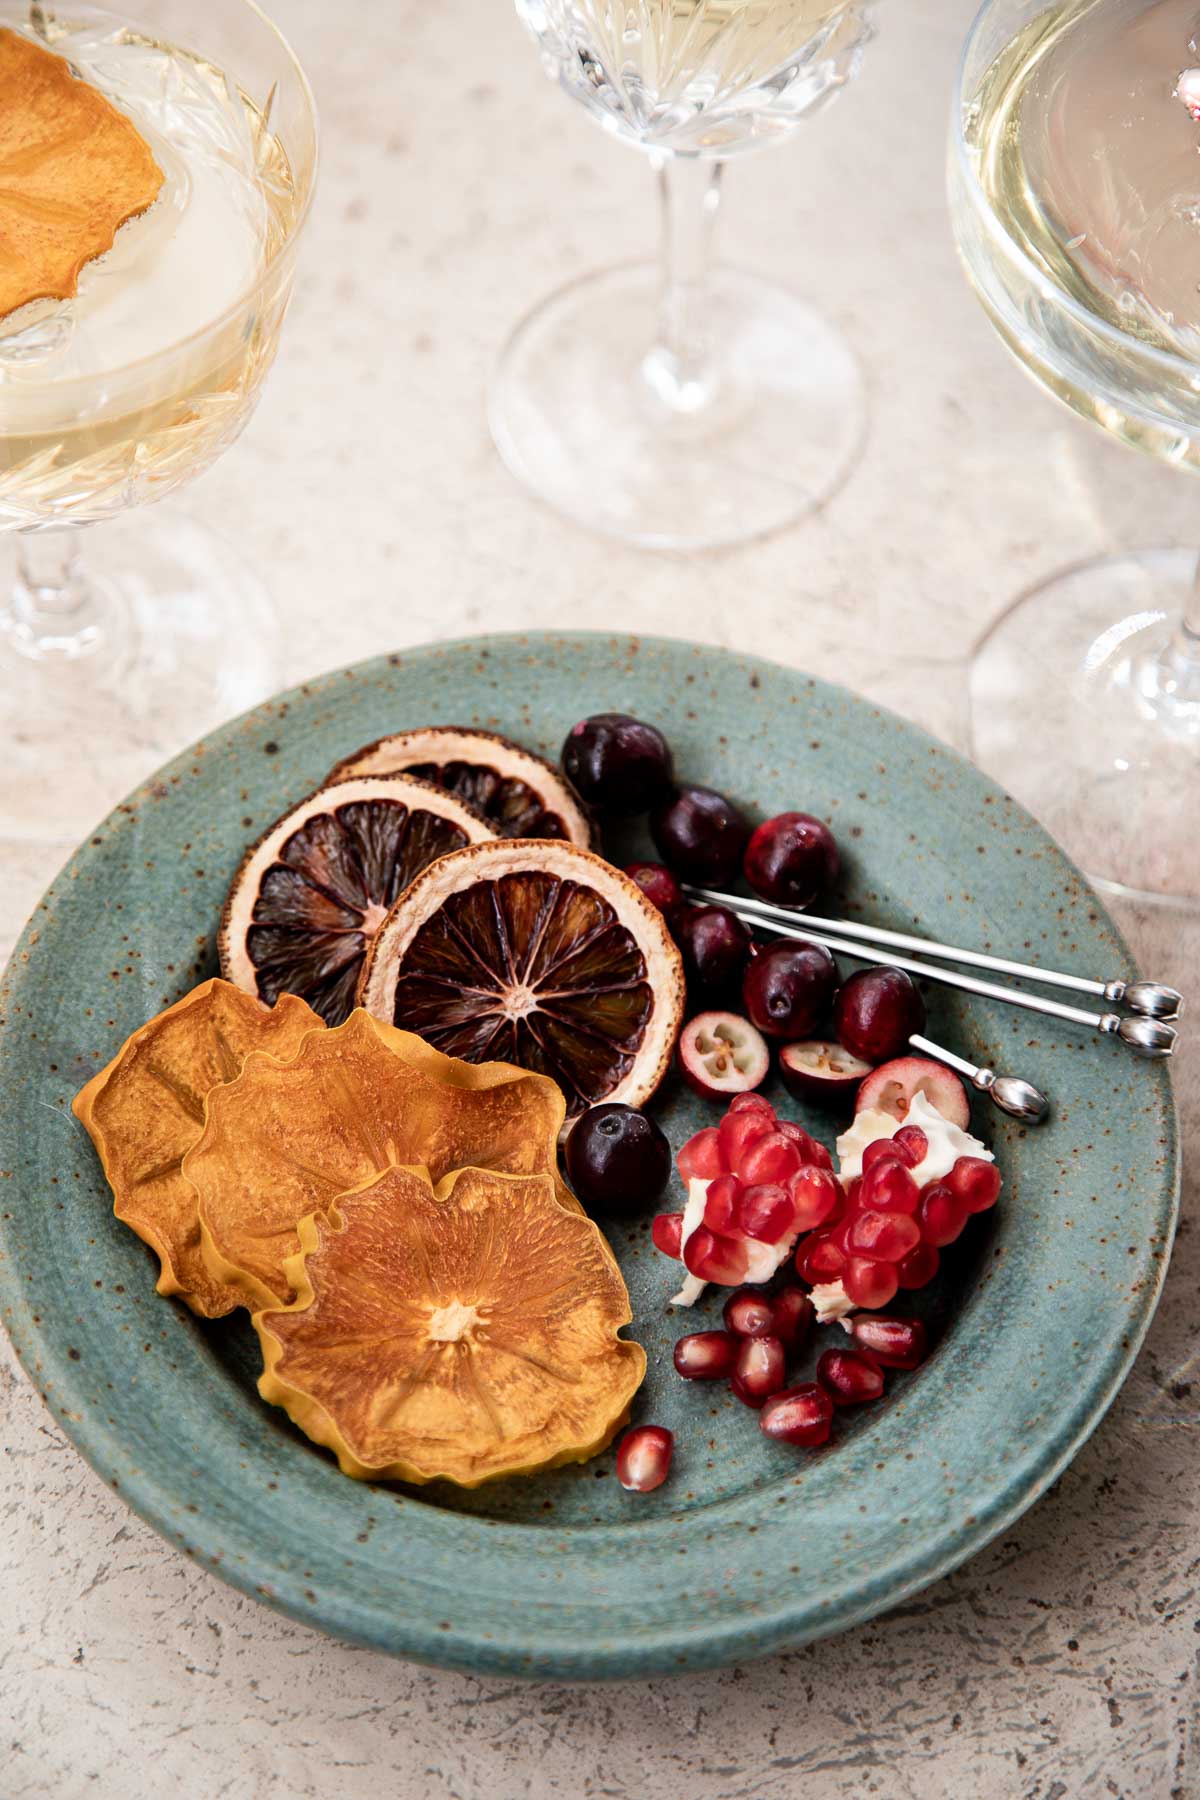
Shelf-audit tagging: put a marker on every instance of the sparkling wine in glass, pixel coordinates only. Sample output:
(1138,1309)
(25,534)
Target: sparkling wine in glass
(117,395)
(1075,194)
(676,404)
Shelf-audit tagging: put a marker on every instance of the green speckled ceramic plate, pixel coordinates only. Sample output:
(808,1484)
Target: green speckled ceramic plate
(750,1546)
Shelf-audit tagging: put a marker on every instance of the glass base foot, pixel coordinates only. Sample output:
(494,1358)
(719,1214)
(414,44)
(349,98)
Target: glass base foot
(178,635)
(1085,707)
(579,412)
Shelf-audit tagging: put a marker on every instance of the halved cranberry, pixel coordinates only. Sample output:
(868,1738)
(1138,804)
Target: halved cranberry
(941,1215)
(849,1380)
(975,1182)
(749,1313)
(701,1159)
(799,1415)
(892,1087)
(644,1458)
(765,1212)
(760,1370)
(706,1355)
(815,1069)
(667,1233)
(720,1054)
(896,1343)
(870,1283)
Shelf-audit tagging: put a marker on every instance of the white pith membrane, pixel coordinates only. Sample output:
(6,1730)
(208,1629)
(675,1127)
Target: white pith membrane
(443,988)
(504,782)
(946,1143)
(319,883)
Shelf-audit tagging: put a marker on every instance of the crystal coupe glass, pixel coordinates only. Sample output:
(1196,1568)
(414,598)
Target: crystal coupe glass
(1074,176)
(677,405)
(116,397)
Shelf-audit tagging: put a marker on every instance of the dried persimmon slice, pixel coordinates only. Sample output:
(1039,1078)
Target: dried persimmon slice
(518,793)
(310,895)
(145,1110)
(286,1138)
(541,954)
(463,1332)
(73,170)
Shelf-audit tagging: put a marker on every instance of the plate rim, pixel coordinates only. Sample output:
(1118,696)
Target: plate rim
(675,1648)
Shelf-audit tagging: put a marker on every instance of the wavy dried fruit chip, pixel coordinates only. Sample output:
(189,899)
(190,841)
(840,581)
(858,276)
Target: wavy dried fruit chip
(73,169)
(287,1138)
(146,1110)
(460,1333)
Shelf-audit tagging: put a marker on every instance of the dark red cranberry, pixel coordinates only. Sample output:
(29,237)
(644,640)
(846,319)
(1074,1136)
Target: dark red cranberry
(715,947)
(701,835)
(659,886)
(788,987)
(617,764)
(876,1012)
(618,1160)
(792,859)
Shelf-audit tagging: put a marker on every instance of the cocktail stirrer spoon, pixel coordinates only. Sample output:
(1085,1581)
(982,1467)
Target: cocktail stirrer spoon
(1011,1093)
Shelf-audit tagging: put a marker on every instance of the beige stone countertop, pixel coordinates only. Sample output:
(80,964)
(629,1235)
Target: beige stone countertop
(458,187)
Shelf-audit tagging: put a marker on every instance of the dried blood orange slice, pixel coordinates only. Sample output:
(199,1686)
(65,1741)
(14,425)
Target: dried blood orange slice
(541,954)
(146,1110)
(312,892)
(518,793)
(287,1137)
(459,1333)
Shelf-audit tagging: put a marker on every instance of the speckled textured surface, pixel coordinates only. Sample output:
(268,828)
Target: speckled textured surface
(1035,1316)
(457,188)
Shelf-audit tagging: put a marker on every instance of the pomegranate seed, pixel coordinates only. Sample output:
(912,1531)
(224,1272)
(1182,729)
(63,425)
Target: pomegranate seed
(706,1355)
(799,1415)
(880,1150)
(888,1187)
(886,1236)
(975,1182)
(714,1258)
(912,1144)
(791,1316)
(721,1202)
(770,1158)
(918,1268)
(667,1233)
(941,1215)
(820,1259)
(760,1371)
(749,1313)
(700,1158)
(766,1212)
(870,1283)
(751,1103)
(896,1343)
(848,1379)
(852,1194)
(797,1135)
(644,1458)
(738,1130)
(816,1195)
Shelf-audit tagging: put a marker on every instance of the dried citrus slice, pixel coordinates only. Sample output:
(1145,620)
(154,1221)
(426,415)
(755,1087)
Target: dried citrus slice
(539,953)
(463,1333)
(146,1110)
(73,169)
(286,1138)
(518,793)
(311,893)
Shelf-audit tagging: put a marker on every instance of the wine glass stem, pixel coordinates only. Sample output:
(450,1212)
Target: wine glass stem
(53,609)
(680,365)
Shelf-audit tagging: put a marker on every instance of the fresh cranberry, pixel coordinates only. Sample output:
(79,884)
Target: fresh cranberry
(617,764)
(715,947)
(876,1012)
(659,886)
(791,859)
(787,990)
(618,1160)
(701,835)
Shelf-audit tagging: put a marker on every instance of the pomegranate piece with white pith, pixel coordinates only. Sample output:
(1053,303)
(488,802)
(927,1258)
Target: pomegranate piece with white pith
(755,1183)
(721,1054)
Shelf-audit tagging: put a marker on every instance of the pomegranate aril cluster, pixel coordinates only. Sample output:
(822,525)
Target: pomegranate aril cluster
(892,1231)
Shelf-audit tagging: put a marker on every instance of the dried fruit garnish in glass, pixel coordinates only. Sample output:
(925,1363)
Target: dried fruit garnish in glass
(73,169)
(287,1138)
(464,1332)
(145,1110)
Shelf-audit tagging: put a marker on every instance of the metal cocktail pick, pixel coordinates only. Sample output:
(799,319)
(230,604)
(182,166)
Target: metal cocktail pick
(1011,1093)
